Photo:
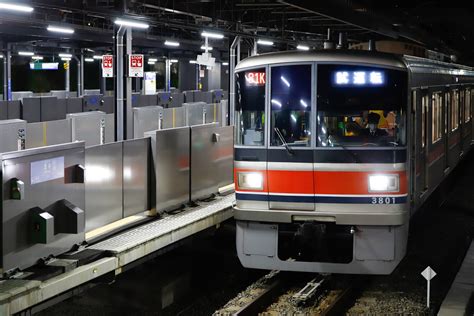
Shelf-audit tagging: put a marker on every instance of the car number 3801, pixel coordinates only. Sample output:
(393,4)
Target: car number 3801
(383,200)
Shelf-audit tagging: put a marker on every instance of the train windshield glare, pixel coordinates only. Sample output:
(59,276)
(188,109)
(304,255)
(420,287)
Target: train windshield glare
(250,104)
(360,106)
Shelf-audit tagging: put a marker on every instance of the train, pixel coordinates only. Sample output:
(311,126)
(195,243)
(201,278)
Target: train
(335,150)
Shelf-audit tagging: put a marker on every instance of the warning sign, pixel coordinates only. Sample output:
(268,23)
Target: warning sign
(135,65)
(107,66)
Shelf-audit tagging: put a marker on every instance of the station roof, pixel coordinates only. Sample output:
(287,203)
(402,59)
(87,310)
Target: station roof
(435,24)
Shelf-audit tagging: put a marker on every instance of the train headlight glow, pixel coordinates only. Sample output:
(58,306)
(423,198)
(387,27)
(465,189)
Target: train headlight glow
(383,183)
(251,180)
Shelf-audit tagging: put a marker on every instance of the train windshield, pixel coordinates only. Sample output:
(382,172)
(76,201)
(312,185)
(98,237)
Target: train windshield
(291,105)
(250,106)
(361,106)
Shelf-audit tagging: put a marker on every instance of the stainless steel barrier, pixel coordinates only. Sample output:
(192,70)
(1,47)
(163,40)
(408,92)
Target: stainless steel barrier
(174,117)
(42,203)
(48,133)
(88,126)
(135,176)
(116,177)
(170,183)
(211,159)
(146,119)
(103,178)
(195,113)
(12,135)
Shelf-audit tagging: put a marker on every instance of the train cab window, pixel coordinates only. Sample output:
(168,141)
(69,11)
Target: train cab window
(361,106)
(436,117)
(291,105)
(454,110)
(250,107)
(467,106)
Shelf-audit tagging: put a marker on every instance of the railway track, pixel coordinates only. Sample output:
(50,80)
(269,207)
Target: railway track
(280,293)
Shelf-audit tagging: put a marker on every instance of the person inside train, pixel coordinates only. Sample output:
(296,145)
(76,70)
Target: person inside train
(372,129)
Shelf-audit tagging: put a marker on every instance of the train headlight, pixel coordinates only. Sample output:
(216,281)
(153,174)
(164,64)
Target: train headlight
(251,180)
(383,182)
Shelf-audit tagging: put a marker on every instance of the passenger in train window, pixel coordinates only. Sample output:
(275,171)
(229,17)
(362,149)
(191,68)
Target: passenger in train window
(372,126)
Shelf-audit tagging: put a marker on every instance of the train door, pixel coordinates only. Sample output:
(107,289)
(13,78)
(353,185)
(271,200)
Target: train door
(290,156)
(461,121)
(423,153)
(446,111)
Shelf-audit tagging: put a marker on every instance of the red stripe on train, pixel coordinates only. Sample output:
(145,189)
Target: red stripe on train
(322,182)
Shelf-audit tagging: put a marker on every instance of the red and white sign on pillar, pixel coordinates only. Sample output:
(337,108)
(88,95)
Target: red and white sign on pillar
(135,65)
(107,66)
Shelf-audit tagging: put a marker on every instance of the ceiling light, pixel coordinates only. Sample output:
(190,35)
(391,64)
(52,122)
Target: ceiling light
(97,56)
(193,62)
(26,53)
(173,60)
(1,55)
(15,7)
(150,62)
(209,48)
(37,57)
(225,64)
(136,24)
(153,59)
(171,43)
(65,58)
(58,29)
(65,55)
(89,60)
(264,42)
(212,35)
(302,47)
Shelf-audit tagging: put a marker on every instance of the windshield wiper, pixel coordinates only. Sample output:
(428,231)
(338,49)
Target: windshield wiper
(282,139)
(349,152)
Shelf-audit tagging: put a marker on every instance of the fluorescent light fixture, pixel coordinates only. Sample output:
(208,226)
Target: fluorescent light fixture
(89,60)
(26,53)
(285,81)
(209,48)
(173,60)
(37,57)
(225,64)
(264,42)
(57,29)
(293,117)
(193,62)
(302,47)
(65,55)
(1,55)
(171,43)
(130,23)
(303,103)
(97,56)
(65,58)
(150,62)
(153,59)
(212,35)
(16,7)
(276,102)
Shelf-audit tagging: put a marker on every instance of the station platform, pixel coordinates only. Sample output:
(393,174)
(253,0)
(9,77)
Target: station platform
(460,298)
(122,250)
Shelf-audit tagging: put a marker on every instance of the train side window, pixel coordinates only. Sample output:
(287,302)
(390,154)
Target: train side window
(424,106)
(436,117)
(291,105)
(454,110)
(447,104)
(250,107)
(467,106)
